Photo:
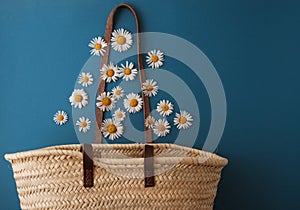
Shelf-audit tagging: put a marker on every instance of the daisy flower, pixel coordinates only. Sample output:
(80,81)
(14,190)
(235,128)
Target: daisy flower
(119,115)
(112,129)
(155,59)
(85,79)
(106,101)
(110,72)
(161,127)
(97,44)
(150,87)
(121,40)
(183,120)
(60,117)
(84,124)
(117,92)
(79,98)
(133,103)
(164,107)
(150,121)
(127,71)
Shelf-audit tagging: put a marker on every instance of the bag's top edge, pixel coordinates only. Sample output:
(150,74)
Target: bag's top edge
(74,151)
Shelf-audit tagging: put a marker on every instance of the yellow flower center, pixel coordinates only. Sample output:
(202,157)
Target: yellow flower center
(106,101)
(110,72)
(127,71)
(121,40)
(118,92)
(60,117)
(83,124)
(119,115)
(182,120)
(78,98)
(165,107)
(98,46)
(161,128)
(133,102)
(150,122)
(154,58)
(85,79)
(149,88)
(111,128)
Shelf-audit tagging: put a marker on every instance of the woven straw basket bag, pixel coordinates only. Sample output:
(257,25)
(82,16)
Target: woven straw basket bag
(117,176)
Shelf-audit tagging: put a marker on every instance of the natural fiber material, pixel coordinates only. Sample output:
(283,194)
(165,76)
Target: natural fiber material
(52,178)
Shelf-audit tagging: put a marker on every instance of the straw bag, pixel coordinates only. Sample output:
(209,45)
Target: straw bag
(117,176)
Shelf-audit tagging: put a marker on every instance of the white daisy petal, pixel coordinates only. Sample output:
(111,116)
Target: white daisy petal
(119,115)
(60,117)
(85,79)
(127,71)
(155,59)
(131,65)
(121,40)
(117,92)
(161,127)
(110,72)
(150,121)
(164,107)
(84,124)
(112,129)
(150,87)
(105,101)
(133,103)
(98,46)
(183,120)
(79,98)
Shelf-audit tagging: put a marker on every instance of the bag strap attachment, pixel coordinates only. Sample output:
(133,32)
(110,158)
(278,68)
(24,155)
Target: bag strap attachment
(88,165)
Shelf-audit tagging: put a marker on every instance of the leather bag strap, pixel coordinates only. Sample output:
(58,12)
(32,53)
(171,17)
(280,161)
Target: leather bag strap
(102,84)
(149,179)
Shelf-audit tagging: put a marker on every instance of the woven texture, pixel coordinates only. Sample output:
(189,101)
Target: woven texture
(52,178)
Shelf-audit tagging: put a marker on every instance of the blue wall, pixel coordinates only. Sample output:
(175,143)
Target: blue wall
(254,46)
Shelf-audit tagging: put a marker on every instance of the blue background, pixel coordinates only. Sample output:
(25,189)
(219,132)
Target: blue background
(254,46)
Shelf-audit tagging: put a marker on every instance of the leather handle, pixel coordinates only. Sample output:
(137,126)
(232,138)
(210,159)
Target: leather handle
(102,84)
(148,151)
(149,179)
(88,165)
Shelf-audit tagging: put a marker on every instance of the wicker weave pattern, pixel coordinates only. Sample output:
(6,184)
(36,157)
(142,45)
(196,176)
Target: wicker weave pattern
(51,178)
